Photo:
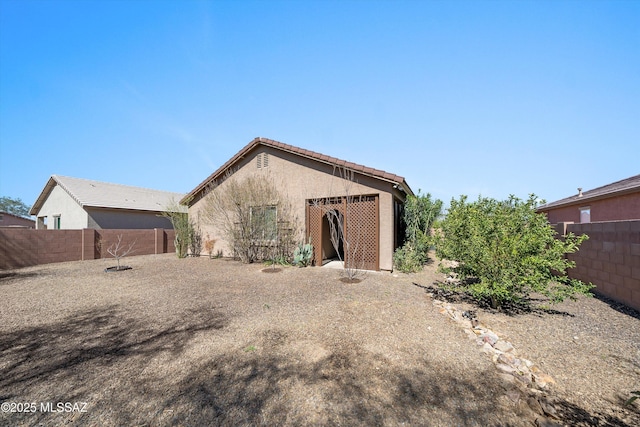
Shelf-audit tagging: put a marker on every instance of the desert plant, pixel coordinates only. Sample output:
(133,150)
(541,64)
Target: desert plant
(118,250)
(195,239)
(303,255)
(179,218)
(506,251)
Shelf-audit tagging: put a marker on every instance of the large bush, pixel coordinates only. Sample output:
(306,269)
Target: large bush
(254,216)
(506,251)
(420,212)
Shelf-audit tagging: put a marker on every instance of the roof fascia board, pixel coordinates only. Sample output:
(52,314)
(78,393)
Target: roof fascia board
(594,198)
(265,142)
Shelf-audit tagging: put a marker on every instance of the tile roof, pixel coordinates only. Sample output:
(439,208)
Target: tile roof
(89,193)
(628,185)
(364,170)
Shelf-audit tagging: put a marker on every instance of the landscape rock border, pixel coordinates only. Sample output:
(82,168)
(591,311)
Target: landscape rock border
(524,381)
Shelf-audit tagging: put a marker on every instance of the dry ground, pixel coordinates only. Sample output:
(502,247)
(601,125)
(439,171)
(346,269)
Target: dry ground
(212,342)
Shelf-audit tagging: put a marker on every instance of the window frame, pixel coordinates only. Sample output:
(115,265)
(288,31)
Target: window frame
(585,210)
(267,235)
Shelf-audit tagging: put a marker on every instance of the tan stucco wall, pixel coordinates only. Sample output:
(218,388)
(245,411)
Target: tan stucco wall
(72,216)
(300,179)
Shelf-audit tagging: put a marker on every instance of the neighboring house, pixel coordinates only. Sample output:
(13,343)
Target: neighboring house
(72,203)
(10,220)
(313,184)
(618,201)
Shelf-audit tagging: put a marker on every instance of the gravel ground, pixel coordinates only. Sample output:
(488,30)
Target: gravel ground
(213,342)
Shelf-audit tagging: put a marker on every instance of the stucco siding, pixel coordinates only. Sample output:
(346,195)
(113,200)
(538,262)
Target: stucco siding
(72,216)
(123,219)
(300,179)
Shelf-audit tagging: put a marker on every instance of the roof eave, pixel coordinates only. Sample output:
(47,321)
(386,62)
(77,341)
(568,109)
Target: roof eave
(289,149)
(586,198)
(37,205)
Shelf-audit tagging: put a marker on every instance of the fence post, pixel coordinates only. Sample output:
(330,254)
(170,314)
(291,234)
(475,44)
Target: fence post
(88,244)
(157,239)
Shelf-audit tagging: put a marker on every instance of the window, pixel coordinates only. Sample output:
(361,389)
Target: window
(259,161)
(585,214)
(1,217)
(56,222)
(264,222)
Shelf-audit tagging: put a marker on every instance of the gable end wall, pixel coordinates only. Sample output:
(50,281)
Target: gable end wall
(301,179)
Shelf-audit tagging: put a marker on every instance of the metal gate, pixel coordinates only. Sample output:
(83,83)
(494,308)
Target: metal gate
(361,229)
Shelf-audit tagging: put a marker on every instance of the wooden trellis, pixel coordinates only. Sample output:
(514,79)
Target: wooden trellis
(361,229)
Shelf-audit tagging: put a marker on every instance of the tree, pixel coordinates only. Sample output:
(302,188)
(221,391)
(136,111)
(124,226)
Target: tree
(118,251)
(420,213)
(255,218)
(14,206)
(506,251)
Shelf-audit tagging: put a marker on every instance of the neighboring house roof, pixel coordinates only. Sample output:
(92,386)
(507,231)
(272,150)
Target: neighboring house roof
(17,217)
(625,186)
(364,170)
(96,194)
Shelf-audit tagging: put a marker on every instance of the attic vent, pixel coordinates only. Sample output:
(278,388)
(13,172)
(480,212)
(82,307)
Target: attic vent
(259,161)
(266,160)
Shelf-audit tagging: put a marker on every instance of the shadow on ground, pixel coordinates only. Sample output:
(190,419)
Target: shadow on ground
(105,353)
(89,351)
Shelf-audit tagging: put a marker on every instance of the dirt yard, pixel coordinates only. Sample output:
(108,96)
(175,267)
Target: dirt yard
(199,342)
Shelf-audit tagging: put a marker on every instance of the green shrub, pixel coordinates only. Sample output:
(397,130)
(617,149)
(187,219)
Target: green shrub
(408,260)
(420,213)
(508,251)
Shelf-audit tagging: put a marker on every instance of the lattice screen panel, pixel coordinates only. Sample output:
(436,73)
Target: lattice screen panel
(315,232)
(361,229)
(362,233)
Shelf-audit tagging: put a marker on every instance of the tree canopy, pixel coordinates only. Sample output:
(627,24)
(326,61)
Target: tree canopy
(14,206)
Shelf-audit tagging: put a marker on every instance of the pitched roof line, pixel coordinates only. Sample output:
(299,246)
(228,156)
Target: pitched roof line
(622,186)
(364,170)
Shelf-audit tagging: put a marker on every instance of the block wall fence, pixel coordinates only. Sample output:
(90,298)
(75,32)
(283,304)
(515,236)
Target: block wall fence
(26,247)
(610,258)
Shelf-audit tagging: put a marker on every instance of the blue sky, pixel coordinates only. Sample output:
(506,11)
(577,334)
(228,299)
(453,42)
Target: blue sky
(481,97)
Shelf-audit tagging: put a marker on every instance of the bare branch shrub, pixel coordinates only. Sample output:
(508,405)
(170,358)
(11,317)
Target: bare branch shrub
(255,218)
(209,244)
(118,250)
(195,239)
(353,241)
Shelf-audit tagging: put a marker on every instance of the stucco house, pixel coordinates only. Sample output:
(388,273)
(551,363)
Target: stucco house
(15,221)
(67,203)
(315,184)
(618,201)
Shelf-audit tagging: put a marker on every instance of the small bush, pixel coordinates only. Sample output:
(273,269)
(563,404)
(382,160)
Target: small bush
(408,260)
(420,213)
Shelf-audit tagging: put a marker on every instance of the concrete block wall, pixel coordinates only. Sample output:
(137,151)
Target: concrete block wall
(610,259)
(21,247)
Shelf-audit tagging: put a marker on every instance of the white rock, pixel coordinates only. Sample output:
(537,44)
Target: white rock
(503,346)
